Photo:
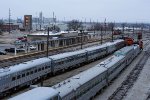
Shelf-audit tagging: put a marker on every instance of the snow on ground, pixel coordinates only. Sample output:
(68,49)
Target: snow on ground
(141,88)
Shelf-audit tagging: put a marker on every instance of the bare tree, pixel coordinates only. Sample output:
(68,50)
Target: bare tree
(55,28)
(95,27)
(111,26)
(123,26)
(74,25)
(1,24)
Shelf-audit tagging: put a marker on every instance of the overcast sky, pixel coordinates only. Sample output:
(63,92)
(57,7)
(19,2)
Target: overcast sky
(112,10)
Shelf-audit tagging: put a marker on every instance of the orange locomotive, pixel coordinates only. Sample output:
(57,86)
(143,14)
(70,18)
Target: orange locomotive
(129,41)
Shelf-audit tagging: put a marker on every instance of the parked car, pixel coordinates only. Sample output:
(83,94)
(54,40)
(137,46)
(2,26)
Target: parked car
(23,39)
(18,41)
(2,52)
(10,50)
(32,47)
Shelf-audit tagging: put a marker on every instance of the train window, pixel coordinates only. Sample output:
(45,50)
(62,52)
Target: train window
(42,68)
(23,75)
(27,73)
(31,72)
(55,98)
(18,76)
(35,71)
(59,63)
(14,78)
(39,69)
(46,67)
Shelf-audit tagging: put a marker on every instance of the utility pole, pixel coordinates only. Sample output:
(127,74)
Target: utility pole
(133,29)
(142,26)
(36,21)
(53,22)
(101,34)
(105,25)
(94,26)
(47,42)
(81,37)
(90,21)
(123,25)
(112,32)
(9,19)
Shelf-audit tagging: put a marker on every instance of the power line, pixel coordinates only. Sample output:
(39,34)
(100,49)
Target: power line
(9,19)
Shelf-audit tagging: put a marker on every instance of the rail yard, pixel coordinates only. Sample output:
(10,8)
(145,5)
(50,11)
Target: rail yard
(75,50)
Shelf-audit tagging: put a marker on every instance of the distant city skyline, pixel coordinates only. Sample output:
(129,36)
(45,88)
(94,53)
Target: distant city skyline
(96,10)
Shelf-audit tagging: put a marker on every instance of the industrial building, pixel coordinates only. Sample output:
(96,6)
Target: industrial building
(7,27)
(28,22)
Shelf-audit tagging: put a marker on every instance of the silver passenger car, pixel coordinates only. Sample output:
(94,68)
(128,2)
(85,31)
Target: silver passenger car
(23,74)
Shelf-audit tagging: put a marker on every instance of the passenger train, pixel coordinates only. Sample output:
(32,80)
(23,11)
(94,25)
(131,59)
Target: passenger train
(27,73)
(87,84)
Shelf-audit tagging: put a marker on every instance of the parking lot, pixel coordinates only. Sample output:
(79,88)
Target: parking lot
(7,40)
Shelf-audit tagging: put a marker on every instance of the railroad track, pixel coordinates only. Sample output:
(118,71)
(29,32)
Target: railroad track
(30,56)
(131,78)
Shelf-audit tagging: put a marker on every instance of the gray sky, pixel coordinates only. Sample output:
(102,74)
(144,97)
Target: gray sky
(112,10)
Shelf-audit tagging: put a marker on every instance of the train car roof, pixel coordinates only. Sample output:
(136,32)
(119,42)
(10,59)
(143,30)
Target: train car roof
(23,66)
(76,81)
(39,93)
(95,47)
(119,40)
(124,50)
(114,42)
(118,55)
(103,45)
(136,46)
(66,54)
(111,61)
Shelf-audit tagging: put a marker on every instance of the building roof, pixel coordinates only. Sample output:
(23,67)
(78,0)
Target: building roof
(44,34)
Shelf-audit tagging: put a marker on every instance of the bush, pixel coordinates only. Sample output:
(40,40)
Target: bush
(1,33)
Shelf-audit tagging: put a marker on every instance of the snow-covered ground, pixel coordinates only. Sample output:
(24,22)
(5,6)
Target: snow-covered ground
(141,88)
